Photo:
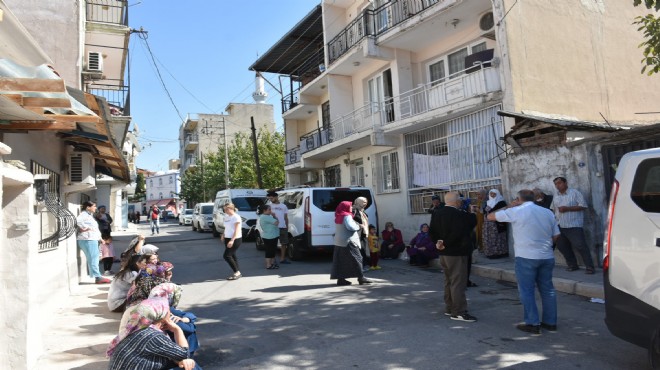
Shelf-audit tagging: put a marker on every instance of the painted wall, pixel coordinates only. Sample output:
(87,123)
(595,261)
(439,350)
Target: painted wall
(590,65)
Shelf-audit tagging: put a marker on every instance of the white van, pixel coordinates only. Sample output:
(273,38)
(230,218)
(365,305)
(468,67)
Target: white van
(631,264)
(202,219)
(312,216)
(246,202)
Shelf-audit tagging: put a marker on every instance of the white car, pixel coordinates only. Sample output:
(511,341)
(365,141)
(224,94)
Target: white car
(202,219)
(631,264)
(185,217)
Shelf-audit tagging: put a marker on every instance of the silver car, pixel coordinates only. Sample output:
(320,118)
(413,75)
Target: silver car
(185,217)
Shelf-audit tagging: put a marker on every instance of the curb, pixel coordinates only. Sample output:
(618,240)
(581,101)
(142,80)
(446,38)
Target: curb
(588,290)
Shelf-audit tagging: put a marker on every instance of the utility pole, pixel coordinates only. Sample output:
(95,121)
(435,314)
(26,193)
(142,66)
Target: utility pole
(224,133)
(201,165)
(256,153)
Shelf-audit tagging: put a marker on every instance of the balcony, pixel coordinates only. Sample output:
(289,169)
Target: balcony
(117,96)
(306,72)
(437,97)
(292,156)
(315,139)
(190,142)
(376,22)
(107,11)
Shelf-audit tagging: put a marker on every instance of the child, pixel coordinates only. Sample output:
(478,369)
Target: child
(373,247)
(107,254)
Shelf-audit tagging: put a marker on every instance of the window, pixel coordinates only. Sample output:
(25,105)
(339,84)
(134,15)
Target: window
(151,195)
(160,195)
(248,203)
(645,190)
(387,172)
(151,182)
(171,179)
(332,176)
(375,90)
(357,172)
(160,181)
(453,64)
(328,199)
(325,114)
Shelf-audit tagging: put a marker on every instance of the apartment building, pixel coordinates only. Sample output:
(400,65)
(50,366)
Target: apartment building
(403,95)
(203,134)
(65,121)
(163,190)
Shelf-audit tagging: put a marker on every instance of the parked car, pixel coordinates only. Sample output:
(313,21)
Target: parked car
(631,263)
(246,202)
(185,217)
(166,215)
(202,219)
(312,216)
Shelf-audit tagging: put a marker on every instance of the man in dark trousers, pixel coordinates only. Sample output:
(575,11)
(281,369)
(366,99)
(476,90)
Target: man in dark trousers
(451,228)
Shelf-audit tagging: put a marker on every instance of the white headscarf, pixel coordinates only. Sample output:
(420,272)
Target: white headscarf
(492,202)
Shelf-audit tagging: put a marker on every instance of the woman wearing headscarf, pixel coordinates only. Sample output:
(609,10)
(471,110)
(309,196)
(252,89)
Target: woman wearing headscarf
(392,242)
(149,278)
(422,248)
(142,344)
(361,218)
(184,320)
(494,233)
(347,260)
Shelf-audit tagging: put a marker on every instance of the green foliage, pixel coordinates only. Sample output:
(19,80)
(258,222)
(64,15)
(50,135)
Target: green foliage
(140,189)
(649,25)
(201,183)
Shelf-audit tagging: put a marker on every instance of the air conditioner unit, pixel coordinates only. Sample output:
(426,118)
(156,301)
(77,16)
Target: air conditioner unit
(81,169)
(487,22)
(311,176)
(94,62)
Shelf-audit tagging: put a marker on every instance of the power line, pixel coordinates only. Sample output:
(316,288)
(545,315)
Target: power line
(142,34)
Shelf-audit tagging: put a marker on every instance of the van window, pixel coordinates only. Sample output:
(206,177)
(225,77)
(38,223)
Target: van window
(207,210)
(292,200)
(328,199)
(248,203)
(646,186)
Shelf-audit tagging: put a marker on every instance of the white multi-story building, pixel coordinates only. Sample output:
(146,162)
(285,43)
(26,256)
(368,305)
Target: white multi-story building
(403,95)
(163,190)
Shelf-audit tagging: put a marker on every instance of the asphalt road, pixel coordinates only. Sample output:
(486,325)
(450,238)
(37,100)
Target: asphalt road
(296,317)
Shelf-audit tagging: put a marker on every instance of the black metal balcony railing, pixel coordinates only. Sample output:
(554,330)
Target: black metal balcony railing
(107,11)
(292,156)
(117,96)
(358,29)
(374,23)
(306,72)
(315,139)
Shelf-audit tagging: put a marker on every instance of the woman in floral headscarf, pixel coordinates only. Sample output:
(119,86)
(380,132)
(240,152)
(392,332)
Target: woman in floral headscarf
(185,320)
(148,279)
(347,260)
(495,240)
(142,344)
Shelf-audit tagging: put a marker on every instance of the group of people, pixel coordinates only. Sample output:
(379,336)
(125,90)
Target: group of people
(153,333)
(134,217)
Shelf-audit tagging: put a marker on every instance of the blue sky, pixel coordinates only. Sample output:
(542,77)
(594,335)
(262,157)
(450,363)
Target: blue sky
(204,47)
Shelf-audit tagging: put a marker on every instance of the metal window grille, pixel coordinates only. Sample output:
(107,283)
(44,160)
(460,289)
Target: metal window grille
(462,154)
(332,176)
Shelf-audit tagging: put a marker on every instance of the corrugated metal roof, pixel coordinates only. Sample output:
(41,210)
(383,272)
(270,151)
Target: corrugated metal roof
(563,122)
(298,45)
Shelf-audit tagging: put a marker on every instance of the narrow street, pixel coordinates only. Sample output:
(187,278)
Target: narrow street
(295,317)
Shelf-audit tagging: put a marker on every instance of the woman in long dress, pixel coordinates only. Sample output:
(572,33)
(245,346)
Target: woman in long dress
(495,233)
(347,260)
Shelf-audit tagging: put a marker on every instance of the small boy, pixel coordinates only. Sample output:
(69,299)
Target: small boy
(373,241)
(107,254)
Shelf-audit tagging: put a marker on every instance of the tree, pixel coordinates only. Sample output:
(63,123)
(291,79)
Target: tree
(140,188)
(191,187)
(650,26)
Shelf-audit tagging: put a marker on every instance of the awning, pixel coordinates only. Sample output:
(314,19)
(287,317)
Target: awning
(299,44)
(160,202)
(559,122)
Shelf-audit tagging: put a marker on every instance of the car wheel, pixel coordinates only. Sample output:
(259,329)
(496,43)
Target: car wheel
(215,231)
(294,253)
(654,350)
(199,228)
(193,226)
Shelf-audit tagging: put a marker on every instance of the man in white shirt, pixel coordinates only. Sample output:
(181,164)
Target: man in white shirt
(534,231)
(280,211)
(569,206)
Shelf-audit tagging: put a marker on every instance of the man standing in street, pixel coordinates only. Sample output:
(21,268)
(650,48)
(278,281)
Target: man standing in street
(451,228)
(280,211)
(569,206)
(534,231)
(154,217)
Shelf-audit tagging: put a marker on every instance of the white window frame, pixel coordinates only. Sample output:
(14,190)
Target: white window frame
(357,172)
(445,58)
(388,175)
(375,87)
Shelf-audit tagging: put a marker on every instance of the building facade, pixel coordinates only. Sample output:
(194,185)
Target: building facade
(61,145)
(403,95)
(163,190)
